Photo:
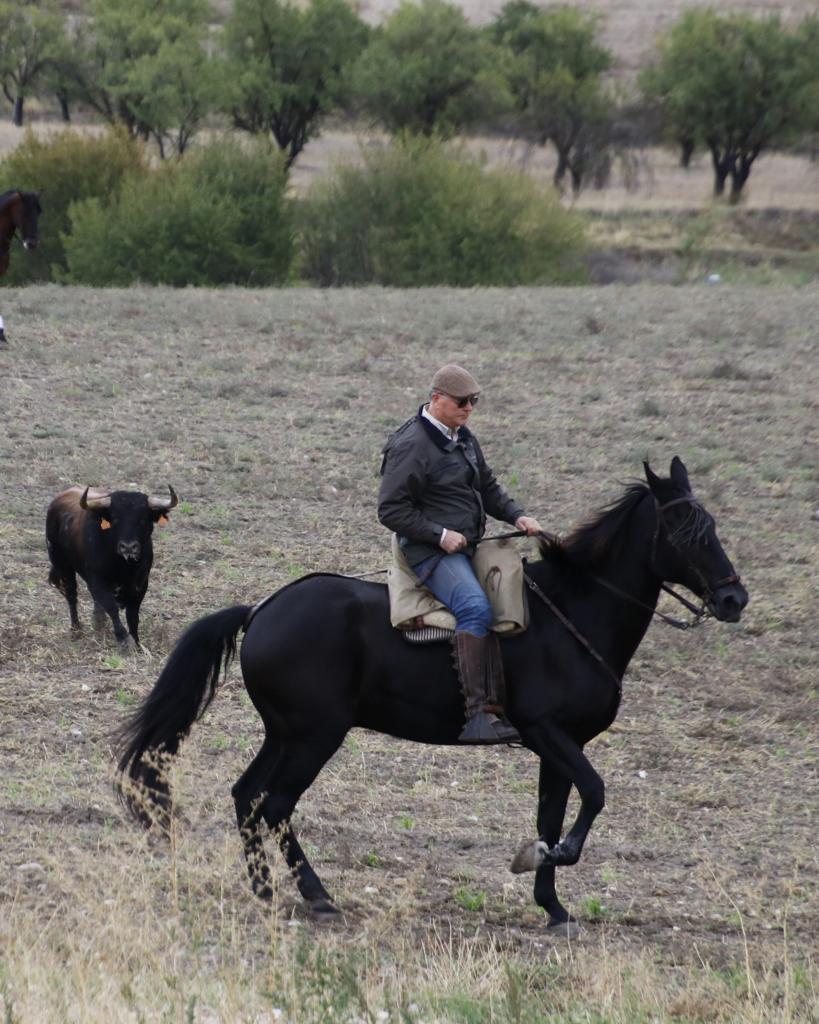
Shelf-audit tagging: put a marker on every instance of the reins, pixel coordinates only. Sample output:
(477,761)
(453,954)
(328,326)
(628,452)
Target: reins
(699,612)
(567,622)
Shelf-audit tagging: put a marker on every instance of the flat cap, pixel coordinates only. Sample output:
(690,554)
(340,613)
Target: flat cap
(455,381)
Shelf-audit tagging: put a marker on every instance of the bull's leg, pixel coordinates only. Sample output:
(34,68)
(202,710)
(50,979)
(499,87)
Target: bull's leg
(106,600)
(99,618)
(564,757)
(553,793)
(132,618)
(65,580)
(70,590)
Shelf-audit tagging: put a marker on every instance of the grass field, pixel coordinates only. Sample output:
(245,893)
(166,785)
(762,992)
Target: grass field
(266,410)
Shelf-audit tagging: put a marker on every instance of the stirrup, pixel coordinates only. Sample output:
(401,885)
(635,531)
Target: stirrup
(484,727)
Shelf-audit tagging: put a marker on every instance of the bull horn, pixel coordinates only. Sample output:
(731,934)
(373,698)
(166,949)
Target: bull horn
(104,501)
(166,504)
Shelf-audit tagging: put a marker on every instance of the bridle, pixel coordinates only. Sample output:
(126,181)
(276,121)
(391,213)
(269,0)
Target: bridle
(700,613)
(709,589)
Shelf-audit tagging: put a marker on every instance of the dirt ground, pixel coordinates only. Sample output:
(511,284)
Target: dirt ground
(266,411)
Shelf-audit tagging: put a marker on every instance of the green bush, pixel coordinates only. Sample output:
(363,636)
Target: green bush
(418,214)
(65,168)
(218,216)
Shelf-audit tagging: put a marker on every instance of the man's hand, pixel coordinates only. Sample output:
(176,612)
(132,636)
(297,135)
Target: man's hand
(453,541)
(530,525)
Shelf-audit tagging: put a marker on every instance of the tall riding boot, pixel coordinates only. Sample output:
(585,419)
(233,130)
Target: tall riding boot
(480,670)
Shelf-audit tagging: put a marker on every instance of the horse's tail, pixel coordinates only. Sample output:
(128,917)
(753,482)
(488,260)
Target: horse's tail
(149,740)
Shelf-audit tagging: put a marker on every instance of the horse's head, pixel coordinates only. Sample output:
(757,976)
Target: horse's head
(26,215)
(686,549)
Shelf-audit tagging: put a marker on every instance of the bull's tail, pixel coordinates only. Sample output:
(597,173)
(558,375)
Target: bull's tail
(55,578)
(150,739)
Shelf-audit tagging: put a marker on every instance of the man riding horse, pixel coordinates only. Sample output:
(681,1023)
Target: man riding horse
(436,491)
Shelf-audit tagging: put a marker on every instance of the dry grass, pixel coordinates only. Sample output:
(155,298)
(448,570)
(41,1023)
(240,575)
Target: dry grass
(266,410)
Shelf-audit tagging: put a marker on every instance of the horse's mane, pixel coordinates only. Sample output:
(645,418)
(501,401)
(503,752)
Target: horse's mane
(591,541)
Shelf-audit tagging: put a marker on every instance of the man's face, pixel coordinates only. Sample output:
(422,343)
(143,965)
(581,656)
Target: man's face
(448,410)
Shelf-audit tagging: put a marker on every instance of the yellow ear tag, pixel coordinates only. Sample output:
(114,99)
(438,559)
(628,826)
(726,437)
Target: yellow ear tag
(105,524)
(162,521)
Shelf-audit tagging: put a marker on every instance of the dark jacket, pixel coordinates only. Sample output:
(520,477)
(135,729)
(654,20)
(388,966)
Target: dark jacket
(429,483)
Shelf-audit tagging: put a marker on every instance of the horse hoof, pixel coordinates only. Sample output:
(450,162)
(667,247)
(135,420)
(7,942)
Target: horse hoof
(563,929)
(324,909)
(529,857)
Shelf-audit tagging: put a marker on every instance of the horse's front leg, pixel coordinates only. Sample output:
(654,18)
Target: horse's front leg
(553,794)
(565,757)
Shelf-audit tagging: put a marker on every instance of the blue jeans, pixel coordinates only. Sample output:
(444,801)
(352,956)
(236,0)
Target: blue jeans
(453,581)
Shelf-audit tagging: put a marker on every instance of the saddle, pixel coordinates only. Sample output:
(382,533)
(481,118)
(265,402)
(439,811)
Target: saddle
(422,618)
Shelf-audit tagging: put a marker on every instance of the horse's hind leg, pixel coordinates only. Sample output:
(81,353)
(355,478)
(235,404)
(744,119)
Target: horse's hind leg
(248,796)
(291,777)
(308,882)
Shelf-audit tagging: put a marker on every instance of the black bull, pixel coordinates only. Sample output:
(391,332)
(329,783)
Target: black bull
(105,537)
(321,657)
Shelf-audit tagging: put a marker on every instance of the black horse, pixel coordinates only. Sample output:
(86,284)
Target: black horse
(19,212)
(320,657)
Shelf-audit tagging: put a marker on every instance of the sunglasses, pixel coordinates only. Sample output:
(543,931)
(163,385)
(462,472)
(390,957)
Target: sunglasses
(463,402)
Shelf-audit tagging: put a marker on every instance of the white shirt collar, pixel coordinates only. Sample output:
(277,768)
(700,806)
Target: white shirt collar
(452,435)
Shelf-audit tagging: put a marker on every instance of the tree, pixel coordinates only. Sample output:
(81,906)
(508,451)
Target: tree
(428,70)
(556,76)
(30,36)
(807,74)
(144,64)
(729,82)
(62,73)
(286,66)
(171,90)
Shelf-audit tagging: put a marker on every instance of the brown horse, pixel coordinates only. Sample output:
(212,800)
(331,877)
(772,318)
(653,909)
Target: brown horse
(19,212)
